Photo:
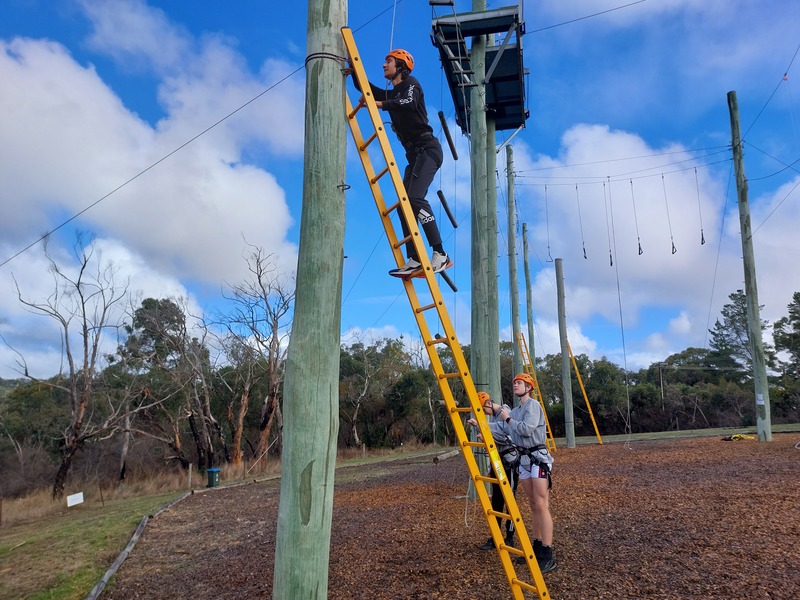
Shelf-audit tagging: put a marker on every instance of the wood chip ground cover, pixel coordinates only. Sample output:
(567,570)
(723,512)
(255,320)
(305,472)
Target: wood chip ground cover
(690,518)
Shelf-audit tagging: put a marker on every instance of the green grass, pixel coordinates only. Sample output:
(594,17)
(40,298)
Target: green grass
(64,555)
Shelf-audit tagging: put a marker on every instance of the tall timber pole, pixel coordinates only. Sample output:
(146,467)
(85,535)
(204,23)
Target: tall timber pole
(566,371)
(513,282)
(493,291)
(528,295)
(763,423)
(480,360)
(311,391)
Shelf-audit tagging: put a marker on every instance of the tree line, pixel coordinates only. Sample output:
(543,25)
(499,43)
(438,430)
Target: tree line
(179,391)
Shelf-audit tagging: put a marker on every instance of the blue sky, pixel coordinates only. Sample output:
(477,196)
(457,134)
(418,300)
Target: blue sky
(627,145)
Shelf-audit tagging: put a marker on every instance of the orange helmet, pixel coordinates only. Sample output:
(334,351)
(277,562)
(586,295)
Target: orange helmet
(403,55)
(483,397)
(526,378)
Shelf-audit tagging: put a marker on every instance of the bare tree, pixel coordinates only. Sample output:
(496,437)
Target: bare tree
(82,303)
(261,317)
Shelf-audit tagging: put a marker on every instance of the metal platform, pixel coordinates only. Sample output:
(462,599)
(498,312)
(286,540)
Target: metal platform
(504,80)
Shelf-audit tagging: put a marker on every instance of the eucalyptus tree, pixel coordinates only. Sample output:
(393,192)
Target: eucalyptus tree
(260,316)
(180,378)
(83,302)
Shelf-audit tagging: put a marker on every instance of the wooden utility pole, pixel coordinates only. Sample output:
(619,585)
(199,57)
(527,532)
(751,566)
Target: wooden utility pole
(513,282)
(763,423)
(492,279)
(311,390)
(528,294)
(481,350)
(566,372)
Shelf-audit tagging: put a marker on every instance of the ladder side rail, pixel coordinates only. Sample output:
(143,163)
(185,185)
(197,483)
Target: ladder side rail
(551,442)
(583,389)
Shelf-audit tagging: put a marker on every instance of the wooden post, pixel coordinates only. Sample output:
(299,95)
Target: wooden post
(528,295)
(479,288)
(311,390)
(492,289)
(478,171)
(513,282)
(566,372)
(763,422)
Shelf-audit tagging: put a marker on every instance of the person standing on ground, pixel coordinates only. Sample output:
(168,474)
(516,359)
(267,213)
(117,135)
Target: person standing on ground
(405,104)
(526,425)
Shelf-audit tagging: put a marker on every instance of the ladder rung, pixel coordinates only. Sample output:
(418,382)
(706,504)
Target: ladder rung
(441,340)
(379,175)
(512,550)
(498,513)
(449,375)
(388,210)
(423,309)
(403,242)
(487,479)
(368,141)
(461,409)
(358,107)
(470,444)
(524,585)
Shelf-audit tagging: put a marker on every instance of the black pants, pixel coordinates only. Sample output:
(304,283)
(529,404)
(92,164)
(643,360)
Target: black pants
(498,502)
(422,166)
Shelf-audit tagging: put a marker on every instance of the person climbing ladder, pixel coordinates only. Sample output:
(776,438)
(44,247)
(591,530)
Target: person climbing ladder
(405,103)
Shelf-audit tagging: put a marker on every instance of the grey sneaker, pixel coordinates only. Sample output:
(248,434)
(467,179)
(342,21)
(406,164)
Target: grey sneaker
(440,262)
(407,270)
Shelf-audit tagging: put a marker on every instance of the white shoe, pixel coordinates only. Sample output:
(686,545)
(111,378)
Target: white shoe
(440,262)
(407,270)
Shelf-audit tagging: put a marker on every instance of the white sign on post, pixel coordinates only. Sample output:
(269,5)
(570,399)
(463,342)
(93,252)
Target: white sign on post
(75,499)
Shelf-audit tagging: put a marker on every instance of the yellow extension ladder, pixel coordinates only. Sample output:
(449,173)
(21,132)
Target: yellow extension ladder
(400,204)
(527,365)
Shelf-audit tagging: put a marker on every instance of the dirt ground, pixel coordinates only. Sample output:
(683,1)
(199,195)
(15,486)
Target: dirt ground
(691,518)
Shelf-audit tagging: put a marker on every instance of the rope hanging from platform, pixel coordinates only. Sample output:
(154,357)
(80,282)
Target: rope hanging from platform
(547,220)
(669,222)
(699,207)
(635,220)
(608,226)
(580,221)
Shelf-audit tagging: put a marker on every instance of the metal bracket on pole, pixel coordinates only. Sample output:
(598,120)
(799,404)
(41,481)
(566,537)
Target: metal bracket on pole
(511,137)
(499,53)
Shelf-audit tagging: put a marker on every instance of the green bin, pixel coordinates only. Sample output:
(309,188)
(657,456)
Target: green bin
(213,477)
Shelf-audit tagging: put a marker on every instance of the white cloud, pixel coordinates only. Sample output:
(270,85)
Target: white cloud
(133,32)
(667,297)
(70,141)
(74,142)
